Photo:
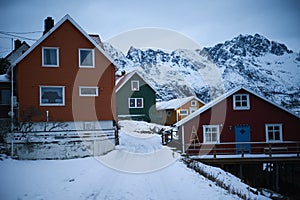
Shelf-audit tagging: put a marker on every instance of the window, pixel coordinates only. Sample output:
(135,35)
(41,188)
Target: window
(183,112)
(135,102)
(135,85)
(241,102)
(211,134)
(273,132)
(86,58)
(169,113)
(88,91)
(5,97)
(193,103)
(50,57)
(52,95)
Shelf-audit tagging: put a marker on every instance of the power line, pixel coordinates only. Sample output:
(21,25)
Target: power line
(17,36)
(21,33)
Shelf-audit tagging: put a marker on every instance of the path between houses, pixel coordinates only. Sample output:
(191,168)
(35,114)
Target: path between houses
(140,168)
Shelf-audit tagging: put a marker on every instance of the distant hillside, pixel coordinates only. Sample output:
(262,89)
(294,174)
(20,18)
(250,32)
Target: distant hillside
(265,66)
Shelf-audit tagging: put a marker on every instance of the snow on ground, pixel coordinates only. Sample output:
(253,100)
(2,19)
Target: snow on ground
(145,175)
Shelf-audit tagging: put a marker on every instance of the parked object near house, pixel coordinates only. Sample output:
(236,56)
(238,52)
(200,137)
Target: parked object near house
(239,122)
(135,98)
(65,77)
(177,109)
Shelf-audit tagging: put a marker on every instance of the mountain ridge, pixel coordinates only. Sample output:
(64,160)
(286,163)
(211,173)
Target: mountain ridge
(253,61)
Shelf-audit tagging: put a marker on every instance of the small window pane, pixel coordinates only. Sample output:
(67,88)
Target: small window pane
(277,136)
(135,85)
(88,91)
(86,57)
(132,103)
(50,57)
(139,103)
(270,134)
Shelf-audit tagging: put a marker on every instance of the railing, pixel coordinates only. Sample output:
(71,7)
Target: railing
(61,136)
(244,149)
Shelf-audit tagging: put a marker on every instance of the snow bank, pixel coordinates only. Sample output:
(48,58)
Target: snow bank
(140,127)
(225,180)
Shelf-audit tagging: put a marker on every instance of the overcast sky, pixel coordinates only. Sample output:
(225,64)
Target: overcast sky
(204,22)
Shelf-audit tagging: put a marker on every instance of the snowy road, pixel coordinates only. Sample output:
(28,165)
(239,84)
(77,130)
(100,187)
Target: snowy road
(106,178)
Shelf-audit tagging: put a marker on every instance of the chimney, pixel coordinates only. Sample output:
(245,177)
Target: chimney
(18,44)
(49,23)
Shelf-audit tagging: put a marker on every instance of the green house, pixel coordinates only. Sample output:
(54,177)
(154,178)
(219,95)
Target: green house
(135,98)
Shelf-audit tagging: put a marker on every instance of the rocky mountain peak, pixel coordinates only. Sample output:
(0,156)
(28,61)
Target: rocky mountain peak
(246,46)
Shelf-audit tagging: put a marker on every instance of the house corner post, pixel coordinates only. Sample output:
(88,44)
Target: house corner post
(182,139)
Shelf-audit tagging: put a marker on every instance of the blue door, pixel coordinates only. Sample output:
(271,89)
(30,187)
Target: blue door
(242,137)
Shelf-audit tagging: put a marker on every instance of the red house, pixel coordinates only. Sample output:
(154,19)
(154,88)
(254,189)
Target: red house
(239,122)
(67,77)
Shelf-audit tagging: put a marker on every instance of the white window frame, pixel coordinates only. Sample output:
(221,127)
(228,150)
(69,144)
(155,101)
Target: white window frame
(204,134)
(52,104)
(185,112)
(57,56)
(138,85)
(88,87)
(235,107)
(267,132)
(135,103)
(193,103)
(79,58)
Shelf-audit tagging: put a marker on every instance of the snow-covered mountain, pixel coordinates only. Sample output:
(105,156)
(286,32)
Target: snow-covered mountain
(265,66)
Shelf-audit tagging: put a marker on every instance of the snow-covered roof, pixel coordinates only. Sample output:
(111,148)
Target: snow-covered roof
(221,98)
(174,104)
(57,25)
(4,78)
(123,79)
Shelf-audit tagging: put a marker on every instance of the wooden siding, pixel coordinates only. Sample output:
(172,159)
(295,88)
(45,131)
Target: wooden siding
(145,92)
(260,113)
(174,114)
(31,75)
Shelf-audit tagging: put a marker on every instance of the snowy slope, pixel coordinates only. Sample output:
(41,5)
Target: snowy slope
(265,66)
(91,178)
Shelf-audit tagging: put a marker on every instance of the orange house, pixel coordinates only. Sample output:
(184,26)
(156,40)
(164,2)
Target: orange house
(66,77)
(177,109)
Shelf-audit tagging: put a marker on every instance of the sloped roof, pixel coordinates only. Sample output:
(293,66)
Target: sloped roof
(96,38)
(221,98)
(57,25)
(174,104)
(126,77)
(22,44)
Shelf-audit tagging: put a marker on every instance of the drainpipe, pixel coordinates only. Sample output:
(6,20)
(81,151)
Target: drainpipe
(182,139)
(12,105)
